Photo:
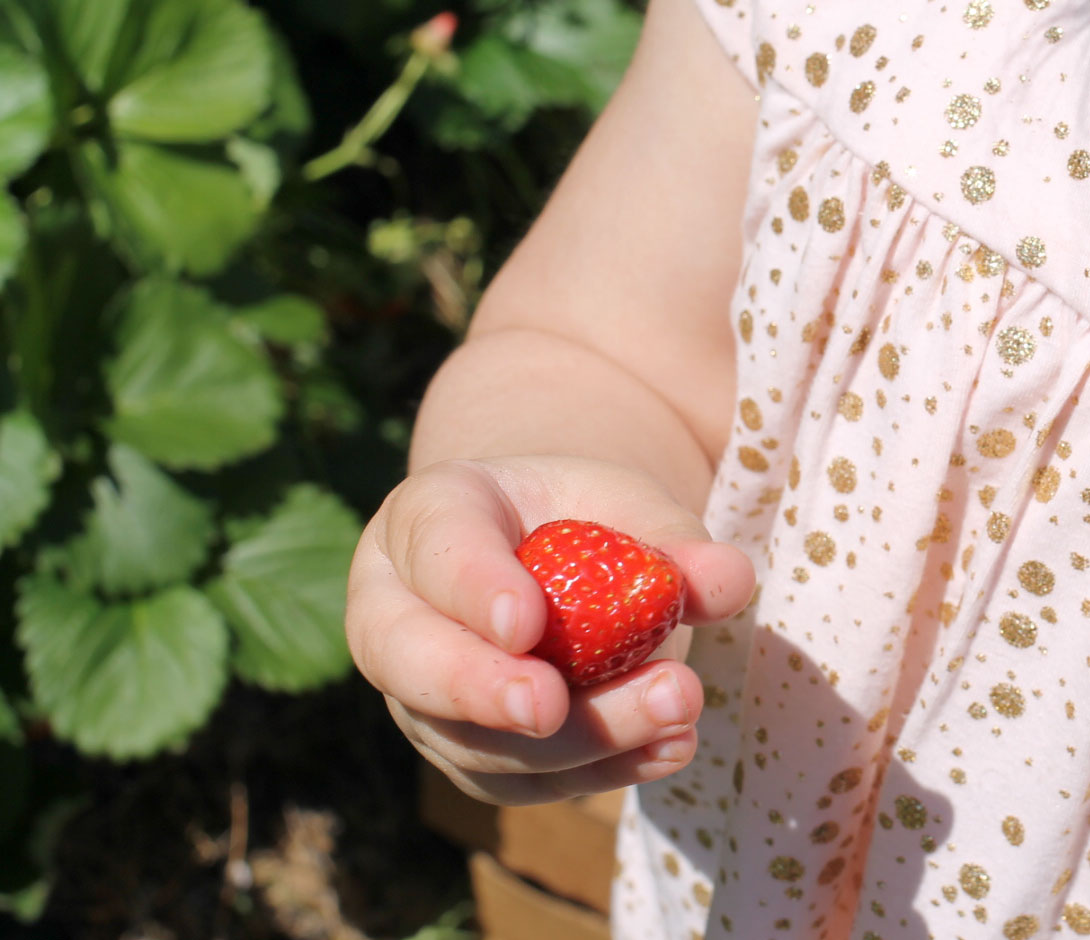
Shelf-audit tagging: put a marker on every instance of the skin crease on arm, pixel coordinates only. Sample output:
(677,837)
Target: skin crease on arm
(596,382)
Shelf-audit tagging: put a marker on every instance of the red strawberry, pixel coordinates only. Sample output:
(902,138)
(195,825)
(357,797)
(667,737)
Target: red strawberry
(611,599)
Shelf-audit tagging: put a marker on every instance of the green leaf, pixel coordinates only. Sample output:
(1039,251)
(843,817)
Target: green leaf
(12,236)
(26,116)
(288,116)
(282,591)
(122,680)
(88,33)
(260,168)
(27,467)
(202,71)
(144,532)
(595,39)
(286,319)
(171,209)
(186,392)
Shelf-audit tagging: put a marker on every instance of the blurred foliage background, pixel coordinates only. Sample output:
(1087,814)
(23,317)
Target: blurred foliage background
(235,241)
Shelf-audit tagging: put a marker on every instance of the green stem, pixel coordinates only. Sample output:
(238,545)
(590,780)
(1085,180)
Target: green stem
(355,148)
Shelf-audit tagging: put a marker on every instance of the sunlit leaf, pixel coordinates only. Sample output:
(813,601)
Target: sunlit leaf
(186,392)
(203,69)
(88,34)
(123,680)
(287,319)
(144,531)
(27,467)
(26,116)
(282,591)
(171,209)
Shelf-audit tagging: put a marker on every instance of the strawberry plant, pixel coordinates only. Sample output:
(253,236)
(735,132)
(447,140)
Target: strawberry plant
(216,305)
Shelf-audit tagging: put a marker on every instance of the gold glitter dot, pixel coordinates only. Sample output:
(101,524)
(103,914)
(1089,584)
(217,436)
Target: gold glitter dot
(1013,830)
(751,414)
(895,197)
(1018,630)
(817,69)
(963,111)
(999,526)
(862,39)
(850,406)
(1037,578)
(880,172)
(766,61)
(957,775)
(1054,34)
(786,160)
(702,894)
(978,184)
(794,473)
(988,263)
(993,86)
(846,780)
(1023,926)
(974,881)
(842,475)
(949,148)
(798,204)
(831,871)
(824,833)
(861,96)
(998,443)
(1031,251)
(1078,165)
(1015,345)
(745,325)
(889,361)
(831,214)
(977,711)
(924,270)
(820,548)
(786,868)
(1046,481)
(1001,148)
(1037,4)
(1061,130)
(1007,699)
(978,14)
(777,225)
(752,459)
(911,812)
(1077,917)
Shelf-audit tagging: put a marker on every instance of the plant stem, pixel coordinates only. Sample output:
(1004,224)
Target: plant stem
(355,148)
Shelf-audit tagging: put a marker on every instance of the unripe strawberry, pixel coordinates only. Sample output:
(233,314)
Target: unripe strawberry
(611,599)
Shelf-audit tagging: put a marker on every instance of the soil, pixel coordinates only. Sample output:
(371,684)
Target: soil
(286,818)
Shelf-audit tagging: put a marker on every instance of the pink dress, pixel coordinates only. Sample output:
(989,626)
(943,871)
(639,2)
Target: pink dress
(896,738)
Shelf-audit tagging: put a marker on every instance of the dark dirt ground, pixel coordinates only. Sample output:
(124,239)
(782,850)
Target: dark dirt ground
(286,818)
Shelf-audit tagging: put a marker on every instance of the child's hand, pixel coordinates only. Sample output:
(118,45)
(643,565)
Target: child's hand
(441,615)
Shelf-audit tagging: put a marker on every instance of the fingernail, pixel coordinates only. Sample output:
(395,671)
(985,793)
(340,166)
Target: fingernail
(503,617)
(518,700)
(669,752)
(664,701)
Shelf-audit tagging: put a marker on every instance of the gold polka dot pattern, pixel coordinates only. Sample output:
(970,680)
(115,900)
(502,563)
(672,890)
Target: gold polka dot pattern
(892,744)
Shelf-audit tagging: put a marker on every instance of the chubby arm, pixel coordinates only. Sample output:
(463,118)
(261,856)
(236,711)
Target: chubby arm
(597,383)
(607,329)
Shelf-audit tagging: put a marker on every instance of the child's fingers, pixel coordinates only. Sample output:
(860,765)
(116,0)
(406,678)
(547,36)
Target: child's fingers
(657,701)
(450,534)
(641,765)
(720,579)
(443,670)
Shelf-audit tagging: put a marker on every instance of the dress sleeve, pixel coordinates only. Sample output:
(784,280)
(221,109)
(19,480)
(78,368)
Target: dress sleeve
(731,23)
